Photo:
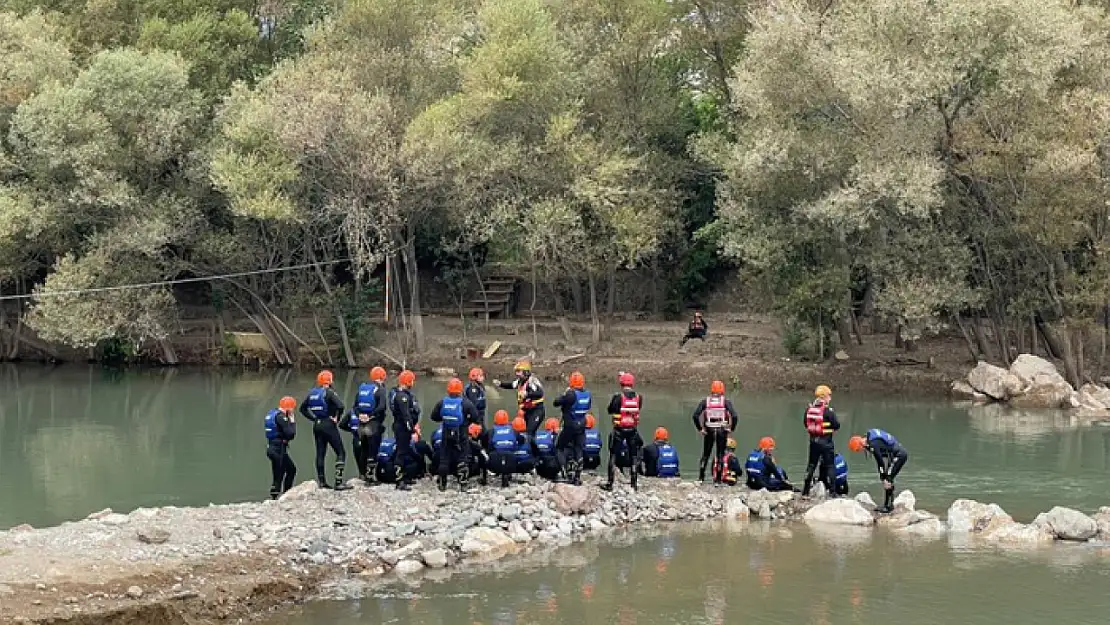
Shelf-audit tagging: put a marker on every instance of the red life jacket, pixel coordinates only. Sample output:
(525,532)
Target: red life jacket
(815,420)
(629,416)
(722,472)
(716,414)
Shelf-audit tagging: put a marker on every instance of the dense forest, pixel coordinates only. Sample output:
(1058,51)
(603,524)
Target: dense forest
(934,163)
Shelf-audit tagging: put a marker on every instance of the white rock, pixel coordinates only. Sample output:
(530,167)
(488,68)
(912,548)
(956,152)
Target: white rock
(737,509)
(1028,368)
(518,532)
(487,541)
(135,592)
(1097,393)
(994,381)
(841,355)
(597,525)
(1019,534)
(905,500)
(840,512)
(970,516)
(96,516)
(408,567)
(929,528)
(300,491)
(963,390)
(435,558)
(510,512)
(866,500)
(115,519)
(1068,524)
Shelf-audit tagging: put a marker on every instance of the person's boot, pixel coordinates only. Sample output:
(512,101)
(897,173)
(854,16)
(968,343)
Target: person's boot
(888,501)
(275,492)
(504,480)
(633,478)
(483,480)
(463,473)
(701,472)
(339,484)
(322,482)
(371,474)
(441,483)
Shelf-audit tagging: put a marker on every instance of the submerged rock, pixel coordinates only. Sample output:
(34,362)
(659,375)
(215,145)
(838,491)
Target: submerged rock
(1067,524)
(840,512)
(1019,534)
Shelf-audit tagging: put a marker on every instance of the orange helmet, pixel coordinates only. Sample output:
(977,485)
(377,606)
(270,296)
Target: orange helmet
(476,374)
(377,374)
(577,381)
(661,434)
(717,387)
(519,425)
(287,403)
(454,386)
(551,424)
(406,378)
(766,443)
(324,378)
(590,422)
(474,430)
(501,418)
(857,443)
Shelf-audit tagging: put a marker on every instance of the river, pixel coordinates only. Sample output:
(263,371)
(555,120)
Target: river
(74,440)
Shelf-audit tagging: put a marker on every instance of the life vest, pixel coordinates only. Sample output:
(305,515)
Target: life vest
(523,451)
(666,462)
(629,416)
(503,439)
(270,424)
(437,438)
(722,471)
(816,425)
(840,468)
(386,450)
(522,387)
(367,400)
(545,443)
(877,435)
(353,422)
(754,464)
(593,443)
(317,403)
(716,412)
(582,403)
(477,394)
(451,411)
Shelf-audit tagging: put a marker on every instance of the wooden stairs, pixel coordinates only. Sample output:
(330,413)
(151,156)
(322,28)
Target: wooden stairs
(499,300)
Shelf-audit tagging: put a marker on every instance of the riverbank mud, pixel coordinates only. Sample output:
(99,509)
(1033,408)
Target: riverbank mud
(192,566)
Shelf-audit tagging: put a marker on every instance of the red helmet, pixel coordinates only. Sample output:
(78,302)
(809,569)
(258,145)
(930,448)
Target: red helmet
(590,422)
(324,378)
(454,386)
(287,403)
(717,387)
(476,373)
(501,418)
(519,425)
(857,443)
(577,381)
(661,434)
(627,379)
(377,374)
(551,424)
(406,378)
(766,443)
(474,430)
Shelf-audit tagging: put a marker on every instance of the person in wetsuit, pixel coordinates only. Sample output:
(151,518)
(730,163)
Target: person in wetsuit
(368,420)
(575,404)
(840,475)
(529,394)
(524,453)
(476,393)
(697,329)
(406,417)
(479,459)
(660,459)
(821,423)
(591,445)
(624,409)
(280,429)
(547,462)
(455,412)
(890,457)
(324,408)
(715,419)
(762,470)
(502,442)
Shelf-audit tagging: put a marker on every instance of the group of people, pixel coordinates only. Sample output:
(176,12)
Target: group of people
(463,445)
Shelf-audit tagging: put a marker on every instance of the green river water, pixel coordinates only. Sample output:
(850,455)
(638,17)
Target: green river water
(74,440)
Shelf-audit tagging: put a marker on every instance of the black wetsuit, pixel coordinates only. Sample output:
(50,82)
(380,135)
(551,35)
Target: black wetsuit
(697,330)
(890,457)
(476,393)
(625,440)
(325,433)
(277,450)
(454,448)
(531,402)
(571,444)
(713,435)
(405,417)
(771,476)
(822,453)
(369,436)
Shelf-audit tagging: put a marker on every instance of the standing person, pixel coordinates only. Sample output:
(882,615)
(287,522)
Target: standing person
(762,470)
(821,422)
(406,416)
(697,329)
(324,408)
(369,422)
(624,408)
(660,458)
(714,418)
(575,404)
(476,393)
(890,457)
(529,394)
(455,412)
(280,429)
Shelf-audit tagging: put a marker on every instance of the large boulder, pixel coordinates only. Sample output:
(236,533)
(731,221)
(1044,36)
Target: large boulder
(1042,384)
(569,499)
(300,491)
(1089,402)
(487,542)
(839,512)
(968,516)
(1029,369)
(1097,393)
(1102,519)
(994,382)
(1020,535)
(905,501)
(962,390)
(1067,524)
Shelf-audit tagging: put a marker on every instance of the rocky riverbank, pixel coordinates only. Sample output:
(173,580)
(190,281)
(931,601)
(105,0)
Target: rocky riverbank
(1033,382)
(197,565)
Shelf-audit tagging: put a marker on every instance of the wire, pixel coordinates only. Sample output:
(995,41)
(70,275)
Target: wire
(147,285)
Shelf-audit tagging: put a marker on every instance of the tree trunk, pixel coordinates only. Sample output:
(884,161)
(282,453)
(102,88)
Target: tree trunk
(413,274)
(1019,334)
(561,317)
(169,356)
(595,322)
(856,327)
(348,353)
(1078,338)
(610,304)
(898,342)
(1051,341)
(981,338)
(1063,342)
(844,325)
(970,342)
(576,294)
(1102,348)
(1033,336)
(655,304)
(13,353)
(1002,339)
(323,339)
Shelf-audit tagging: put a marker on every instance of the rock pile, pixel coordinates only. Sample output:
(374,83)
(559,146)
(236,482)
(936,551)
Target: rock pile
(1032,382)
